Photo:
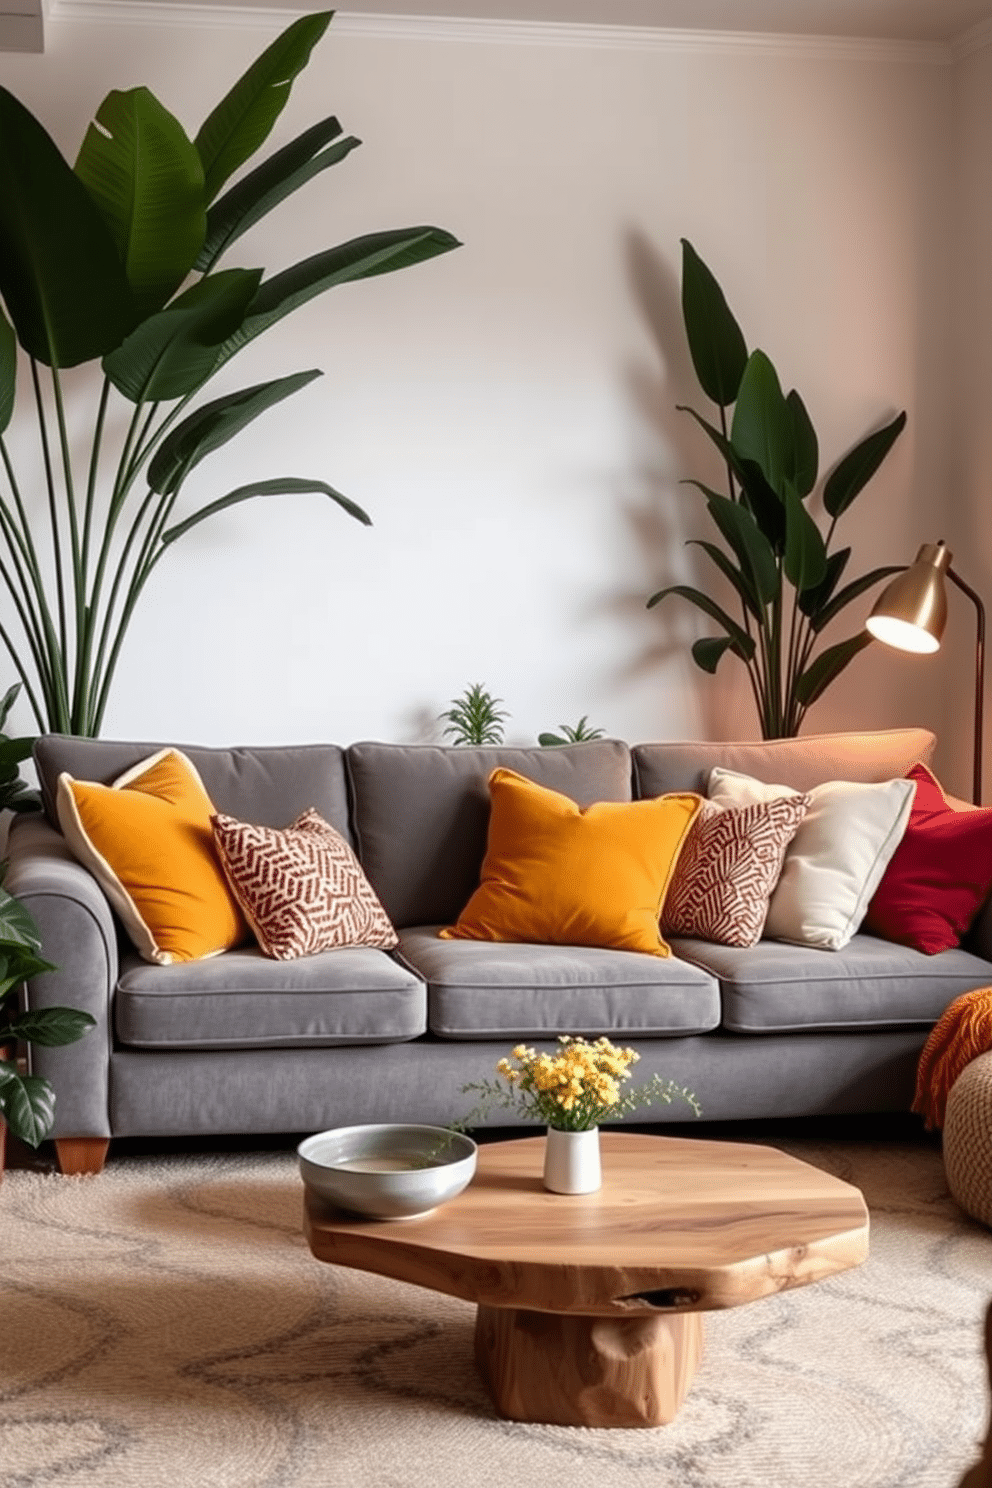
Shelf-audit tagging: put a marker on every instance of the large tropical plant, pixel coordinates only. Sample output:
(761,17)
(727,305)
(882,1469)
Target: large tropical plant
(771,549)
(116,261)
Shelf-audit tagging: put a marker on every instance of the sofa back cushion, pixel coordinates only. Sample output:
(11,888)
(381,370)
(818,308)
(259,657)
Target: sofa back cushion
(269,786)
(421,813)
(800,763)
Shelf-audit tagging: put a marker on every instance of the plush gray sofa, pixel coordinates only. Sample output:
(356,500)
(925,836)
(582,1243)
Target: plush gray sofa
(242,1044)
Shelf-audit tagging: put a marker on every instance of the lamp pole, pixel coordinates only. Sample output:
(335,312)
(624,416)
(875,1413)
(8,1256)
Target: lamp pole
(979,680)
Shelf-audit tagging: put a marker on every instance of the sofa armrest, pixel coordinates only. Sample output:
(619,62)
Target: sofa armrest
(79,936)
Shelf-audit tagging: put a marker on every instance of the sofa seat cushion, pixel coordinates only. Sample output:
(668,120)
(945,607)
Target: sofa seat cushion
(244,1000)
(870,983)
(485,989)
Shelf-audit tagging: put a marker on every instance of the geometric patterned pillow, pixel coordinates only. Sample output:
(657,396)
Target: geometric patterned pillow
(301,888)
(728,867)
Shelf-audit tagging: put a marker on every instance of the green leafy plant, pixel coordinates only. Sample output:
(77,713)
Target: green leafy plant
(27,1102)
(771,550)
(570,734)
(114,261)
(475,717)
(15,793)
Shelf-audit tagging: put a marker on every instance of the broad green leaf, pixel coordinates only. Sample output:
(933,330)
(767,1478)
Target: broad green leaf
(805,447)
(60,277)
(17,928)
(145,176)
(743,643)
(851,591)
(174,351)
(17,966)
(852,473)
(361,258)
(827,666)
(762,428)
(257,193)
(753,550)
(243,119)
(766,506)
(811,601)
(716,343)
(740,581)
(805,560)
(52,1027)
(8,394)
(550,741)
(281,486)
(708,651)
(213,425)
(8,700)
(28,1103)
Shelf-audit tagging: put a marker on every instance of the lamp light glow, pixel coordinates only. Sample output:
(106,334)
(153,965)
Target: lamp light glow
(901,634)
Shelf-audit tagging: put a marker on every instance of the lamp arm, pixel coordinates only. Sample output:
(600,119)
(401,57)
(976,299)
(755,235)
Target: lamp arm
(979,678)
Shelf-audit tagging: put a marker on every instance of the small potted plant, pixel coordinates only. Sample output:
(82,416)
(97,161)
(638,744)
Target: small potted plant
(571,1092)
(27,1102)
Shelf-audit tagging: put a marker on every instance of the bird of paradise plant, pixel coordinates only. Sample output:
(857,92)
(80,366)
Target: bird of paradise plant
(771,551)
(113,262)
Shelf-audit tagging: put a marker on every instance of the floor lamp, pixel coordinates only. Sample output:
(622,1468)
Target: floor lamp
(911,613)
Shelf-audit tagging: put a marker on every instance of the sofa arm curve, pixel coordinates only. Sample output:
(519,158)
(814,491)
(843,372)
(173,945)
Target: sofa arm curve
(79,936)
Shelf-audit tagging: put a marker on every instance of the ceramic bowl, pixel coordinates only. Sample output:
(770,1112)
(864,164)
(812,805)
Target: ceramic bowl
(387,1172)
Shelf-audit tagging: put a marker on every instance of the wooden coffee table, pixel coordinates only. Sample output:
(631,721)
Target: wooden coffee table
(590,1306)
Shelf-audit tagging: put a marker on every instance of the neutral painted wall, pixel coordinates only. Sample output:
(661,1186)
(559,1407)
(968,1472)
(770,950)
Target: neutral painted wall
(507,413)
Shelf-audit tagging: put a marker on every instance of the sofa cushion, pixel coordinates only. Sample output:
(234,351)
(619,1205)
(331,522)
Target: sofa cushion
(148,843)
(269,785)
(421,812)
(301,889)
(800,763)
(835,861)
(557,874)
(870,983)
(243,1000)
(485,989)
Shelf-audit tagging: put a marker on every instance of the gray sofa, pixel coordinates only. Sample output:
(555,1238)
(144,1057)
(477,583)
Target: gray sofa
(243,1044)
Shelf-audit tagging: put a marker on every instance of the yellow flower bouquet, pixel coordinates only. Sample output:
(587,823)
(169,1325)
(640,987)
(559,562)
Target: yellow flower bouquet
(574,1089)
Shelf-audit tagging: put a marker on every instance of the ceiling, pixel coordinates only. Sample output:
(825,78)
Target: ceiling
(905,20)
(927,21)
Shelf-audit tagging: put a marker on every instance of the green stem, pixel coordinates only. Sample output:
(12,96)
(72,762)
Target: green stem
(28,689)
(54,522)
(40,611)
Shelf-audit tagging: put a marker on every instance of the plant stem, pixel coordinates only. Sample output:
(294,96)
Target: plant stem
(61,719)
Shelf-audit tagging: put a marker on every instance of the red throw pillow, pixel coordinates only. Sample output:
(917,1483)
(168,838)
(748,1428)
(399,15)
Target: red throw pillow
(939,875)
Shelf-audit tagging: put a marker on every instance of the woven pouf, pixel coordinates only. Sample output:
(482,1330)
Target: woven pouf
(968,1139)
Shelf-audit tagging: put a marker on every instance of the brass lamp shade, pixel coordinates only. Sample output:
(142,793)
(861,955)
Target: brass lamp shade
(911,611)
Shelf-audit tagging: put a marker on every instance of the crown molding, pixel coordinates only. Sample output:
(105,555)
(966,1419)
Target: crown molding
(188,13)
(975,39)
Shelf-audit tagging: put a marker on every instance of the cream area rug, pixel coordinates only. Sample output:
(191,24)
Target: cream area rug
(164,1326)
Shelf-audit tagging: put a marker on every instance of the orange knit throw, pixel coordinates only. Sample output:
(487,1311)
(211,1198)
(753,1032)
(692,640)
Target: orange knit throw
(963,1032)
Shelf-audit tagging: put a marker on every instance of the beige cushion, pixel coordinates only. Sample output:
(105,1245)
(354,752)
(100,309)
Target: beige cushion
(968,1139)
(836,859)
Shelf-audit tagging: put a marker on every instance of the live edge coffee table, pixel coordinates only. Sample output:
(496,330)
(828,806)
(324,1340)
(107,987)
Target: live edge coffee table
(590,1306)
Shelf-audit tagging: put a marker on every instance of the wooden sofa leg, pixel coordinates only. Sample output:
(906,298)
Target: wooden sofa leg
(81,1154)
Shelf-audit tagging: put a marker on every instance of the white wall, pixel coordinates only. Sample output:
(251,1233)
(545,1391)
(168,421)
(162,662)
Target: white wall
(507,413)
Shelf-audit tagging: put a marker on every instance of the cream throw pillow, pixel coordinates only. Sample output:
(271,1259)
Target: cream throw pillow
(835,861)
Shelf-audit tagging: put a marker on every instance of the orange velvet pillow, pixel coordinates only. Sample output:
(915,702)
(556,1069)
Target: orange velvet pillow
(148,841)
(558,874)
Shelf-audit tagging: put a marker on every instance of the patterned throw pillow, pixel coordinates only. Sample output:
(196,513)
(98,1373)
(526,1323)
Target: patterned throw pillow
(729,866)
(301,888)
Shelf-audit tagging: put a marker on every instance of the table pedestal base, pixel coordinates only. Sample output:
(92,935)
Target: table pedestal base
(568,1370)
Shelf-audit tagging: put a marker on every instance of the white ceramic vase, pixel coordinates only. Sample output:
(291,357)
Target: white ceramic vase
(571,1161)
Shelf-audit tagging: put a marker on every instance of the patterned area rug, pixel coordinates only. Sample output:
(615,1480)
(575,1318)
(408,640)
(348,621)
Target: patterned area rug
(164,1326)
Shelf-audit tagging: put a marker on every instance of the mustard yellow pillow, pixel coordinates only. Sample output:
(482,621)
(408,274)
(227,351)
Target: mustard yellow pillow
(148,841)
(558,874)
